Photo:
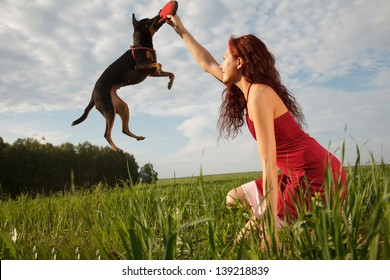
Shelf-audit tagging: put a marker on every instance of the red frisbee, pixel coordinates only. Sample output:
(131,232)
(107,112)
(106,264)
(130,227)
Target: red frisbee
(169,9)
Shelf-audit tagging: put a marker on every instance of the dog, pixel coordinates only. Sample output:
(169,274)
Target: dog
(134,66)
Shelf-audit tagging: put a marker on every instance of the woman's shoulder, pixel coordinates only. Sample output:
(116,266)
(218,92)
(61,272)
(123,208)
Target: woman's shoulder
(260,100)
(261,93)
(259,87)
(263,96)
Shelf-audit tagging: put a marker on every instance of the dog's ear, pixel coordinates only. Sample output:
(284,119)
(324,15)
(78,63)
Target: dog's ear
(135,21)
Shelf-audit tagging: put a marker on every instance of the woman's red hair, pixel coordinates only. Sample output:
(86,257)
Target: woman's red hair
(258,67)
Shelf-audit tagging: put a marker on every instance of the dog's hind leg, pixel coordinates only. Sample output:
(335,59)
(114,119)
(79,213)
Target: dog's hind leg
(110,117)
(122,110)
(108,111)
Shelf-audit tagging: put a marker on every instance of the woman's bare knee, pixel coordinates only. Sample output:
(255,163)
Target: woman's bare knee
(235,196)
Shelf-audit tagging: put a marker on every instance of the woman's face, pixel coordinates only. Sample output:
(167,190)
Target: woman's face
(230,72)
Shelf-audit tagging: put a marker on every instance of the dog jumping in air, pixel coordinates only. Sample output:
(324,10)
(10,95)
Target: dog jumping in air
(134,66)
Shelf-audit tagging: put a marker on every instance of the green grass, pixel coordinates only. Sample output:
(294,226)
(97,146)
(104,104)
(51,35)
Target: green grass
(186,218)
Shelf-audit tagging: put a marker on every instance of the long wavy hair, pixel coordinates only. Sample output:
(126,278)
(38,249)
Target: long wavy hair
(258,67)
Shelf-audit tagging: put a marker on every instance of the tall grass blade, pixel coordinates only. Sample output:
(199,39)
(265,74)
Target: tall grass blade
(210,225)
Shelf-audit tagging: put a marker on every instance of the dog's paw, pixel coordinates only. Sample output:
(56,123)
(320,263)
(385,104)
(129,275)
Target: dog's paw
(171,78)
(139,138)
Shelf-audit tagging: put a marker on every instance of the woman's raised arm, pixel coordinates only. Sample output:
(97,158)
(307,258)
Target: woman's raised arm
(201,55)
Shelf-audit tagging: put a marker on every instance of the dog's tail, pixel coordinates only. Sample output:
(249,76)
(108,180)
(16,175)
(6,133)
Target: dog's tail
(86,112)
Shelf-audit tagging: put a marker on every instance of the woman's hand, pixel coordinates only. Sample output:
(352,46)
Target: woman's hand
(176,23)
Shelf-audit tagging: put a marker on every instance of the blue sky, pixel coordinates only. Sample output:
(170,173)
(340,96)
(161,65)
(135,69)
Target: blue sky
(333,55)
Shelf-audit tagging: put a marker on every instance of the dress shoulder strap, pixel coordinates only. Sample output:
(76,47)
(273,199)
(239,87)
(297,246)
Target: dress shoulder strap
(247,98)
(247,93)
(249,89)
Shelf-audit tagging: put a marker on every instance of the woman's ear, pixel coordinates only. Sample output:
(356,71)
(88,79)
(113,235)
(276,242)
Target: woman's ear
(240,63)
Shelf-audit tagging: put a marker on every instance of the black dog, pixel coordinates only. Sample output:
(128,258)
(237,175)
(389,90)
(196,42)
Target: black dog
(131,68)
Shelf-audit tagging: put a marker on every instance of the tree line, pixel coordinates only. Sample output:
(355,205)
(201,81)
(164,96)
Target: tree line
(28,166)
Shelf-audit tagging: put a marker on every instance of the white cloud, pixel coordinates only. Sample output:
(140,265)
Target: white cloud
(325,38)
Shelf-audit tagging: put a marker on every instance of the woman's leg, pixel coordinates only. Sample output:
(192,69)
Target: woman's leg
(248,192)
(252,193)
(254,197)
(235,196)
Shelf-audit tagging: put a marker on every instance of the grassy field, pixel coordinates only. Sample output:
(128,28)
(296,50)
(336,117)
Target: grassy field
(187,219)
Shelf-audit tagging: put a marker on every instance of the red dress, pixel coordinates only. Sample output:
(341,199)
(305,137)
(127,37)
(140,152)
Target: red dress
(303,163)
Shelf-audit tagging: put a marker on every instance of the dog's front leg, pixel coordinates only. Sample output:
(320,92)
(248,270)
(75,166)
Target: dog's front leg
(165,74)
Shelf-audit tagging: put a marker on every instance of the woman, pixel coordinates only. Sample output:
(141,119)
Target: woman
(255,94)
